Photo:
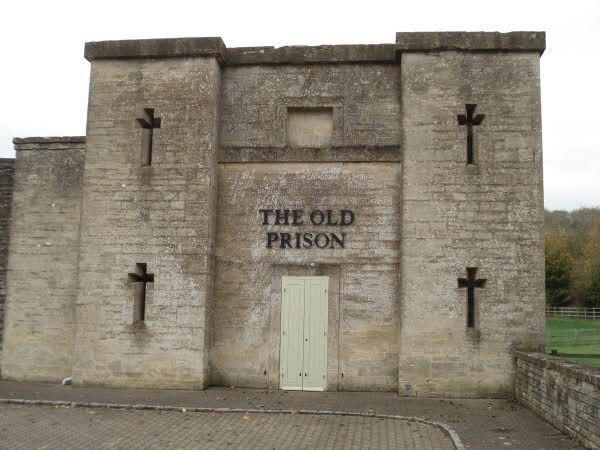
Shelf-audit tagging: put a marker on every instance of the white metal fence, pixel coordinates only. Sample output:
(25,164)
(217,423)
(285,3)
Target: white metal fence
(573,312)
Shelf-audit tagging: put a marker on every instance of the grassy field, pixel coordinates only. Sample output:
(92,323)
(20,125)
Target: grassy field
(574,337)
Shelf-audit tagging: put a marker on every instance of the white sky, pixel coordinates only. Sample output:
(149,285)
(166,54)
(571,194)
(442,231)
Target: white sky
(44,78)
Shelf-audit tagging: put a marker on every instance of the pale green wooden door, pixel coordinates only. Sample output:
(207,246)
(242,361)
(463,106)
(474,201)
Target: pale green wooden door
(303,355)
(315,334)
(292,333)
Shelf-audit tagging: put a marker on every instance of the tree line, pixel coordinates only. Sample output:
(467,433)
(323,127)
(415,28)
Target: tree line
(573,257)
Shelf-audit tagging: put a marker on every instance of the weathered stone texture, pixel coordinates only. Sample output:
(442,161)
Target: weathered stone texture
(161,215)
(566,395)
(488,215)
(42,267)
(7,172)
(363,307)
(468,41)
(364,100)
(309,128)
(321,54)
(155,48)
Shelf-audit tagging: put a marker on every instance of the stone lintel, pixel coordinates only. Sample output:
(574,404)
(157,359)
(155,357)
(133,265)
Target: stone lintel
(155,48)
(515,41)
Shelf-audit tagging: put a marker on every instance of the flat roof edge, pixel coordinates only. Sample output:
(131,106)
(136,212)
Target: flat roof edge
(518,41)
(360,53)
(405,42)
(155,48)
(50,140)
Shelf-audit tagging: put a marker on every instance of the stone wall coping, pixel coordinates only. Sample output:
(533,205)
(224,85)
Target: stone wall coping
(50,140)
(299,54)
(578,371)
(516,41)
(155,48)
(520,41)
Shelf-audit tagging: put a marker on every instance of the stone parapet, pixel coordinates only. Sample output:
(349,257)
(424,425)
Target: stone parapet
(49,140)
(565,394)
(376,53)
(515,41)
(155,48)
(49,143)
(520,41)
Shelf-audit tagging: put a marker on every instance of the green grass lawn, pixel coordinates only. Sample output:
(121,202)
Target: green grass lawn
(570,324)
(563,335)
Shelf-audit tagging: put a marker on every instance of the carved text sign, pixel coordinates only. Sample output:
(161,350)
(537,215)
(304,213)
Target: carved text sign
(300,217)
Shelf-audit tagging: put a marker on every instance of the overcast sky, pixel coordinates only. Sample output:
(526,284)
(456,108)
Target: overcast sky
(44,78)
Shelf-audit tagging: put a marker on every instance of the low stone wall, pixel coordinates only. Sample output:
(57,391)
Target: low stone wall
(566,395)
(41,275)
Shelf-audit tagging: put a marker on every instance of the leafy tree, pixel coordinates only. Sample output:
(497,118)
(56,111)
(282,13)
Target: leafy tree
(575,224)
(586,272)
(559,264)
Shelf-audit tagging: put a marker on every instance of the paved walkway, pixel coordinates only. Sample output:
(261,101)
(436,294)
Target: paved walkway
(35,427)
(480,424)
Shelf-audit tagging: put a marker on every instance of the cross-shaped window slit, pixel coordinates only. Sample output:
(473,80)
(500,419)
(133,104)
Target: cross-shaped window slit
(139,279)
(148,123)
(471,283)
(470,120)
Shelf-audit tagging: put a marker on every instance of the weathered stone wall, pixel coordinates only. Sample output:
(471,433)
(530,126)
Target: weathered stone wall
(488,215)
(42,266)
(363,97)
(264,165)
(566,395)
(363,284)
(7,172)
(161,215)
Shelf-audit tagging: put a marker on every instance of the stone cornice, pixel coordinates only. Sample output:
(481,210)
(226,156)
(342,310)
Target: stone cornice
(479,41)
(517,41)
(155,48)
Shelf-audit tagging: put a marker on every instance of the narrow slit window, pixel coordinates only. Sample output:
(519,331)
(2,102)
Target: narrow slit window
(140,278)
(470,120)
(148,123)
(471,283)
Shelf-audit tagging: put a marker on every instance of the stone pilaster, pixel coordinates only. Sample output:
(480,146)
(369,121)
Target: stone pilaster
(162,215)
(487,215)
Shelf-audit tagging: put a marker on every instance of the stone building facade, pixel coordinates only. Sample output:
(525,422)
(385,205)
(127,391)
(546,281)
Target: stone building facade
(368,216)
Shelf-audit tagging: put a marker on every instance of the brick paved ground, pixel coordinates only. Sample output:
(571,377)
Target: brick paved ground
(481,424)
(35,427)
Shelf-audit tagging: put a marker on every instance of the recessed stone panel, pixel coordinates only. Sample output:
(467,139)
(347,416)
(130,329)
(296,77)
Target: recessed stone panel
(309,127)
(363,306)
